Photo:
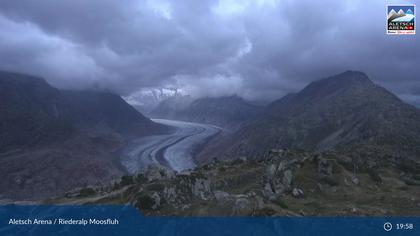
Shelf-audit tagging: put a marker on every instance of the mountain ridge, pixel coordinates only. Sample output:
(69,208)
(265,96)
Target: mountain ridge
(338,112)
(54,140)
(229,112)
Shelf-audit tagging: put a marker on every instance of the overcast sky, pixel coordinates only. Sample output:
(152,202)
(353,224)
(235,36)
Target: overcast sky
(254,48)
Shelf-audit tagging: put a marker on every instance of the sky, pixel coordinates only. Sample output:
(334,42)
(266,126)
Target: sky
(258,49)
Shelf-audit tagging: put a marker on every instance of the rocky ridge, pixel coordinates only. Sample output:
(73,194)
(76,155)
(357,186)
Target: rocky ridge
(283,182)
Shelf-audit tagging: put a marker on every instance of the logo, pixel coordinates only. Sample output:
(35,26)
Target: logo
(401,19)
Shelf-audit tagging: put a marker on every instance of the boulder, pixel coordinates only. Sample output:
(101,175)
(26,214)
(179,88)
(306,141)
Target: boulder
(274,188)
(242,206)
(276,152)
(201,188)
(271,170)
(251,194)
(220,195)
(243,158)
(268,191)
(259,202)
(158,172)
(297,193)
(287,178)
(282,165)
(169,194)
(156,198)
(325,166)
(355,180)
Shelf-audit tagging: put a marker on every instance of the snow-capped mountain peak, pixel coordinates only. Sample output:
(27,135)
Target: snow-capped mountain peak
(409,11)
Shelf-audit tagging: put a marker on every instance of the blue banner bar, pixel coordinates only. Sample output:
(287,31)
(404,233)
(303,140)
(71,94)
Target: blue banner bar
(127,220)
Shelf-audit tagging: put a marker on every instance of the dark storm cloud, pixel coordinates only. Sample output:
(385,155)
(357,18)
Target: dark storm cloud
(255,48)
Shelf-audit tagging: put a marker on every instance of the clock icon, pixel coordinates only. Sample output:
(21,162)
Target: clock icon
(387,226)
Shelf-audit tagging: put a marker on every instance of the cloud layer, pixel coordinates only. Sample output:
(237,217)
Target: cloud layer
(260,49)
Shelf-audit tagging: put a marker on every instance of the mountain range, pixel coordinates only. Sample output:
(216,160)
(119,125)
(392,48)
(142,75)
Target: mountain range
(343,145)
(346,112)
(335,130)
(54,140)
(230,112)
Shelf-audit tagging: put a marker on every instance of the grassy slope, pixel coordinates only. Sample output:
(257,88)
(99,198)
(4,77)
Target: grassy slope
(377,189)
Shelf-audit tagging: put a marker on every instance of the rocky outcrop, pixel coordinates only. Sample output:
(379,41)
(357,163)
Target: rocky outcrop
(298,193)
(158,172)
(220,195)
(201,188)
(285,182)
(278,178)
(325,166)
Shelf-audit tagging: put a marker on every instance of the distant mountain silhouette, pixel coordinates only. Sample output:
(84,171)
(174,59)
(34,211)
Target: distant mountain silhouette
(87,109)
(230,112)
(345,112)
(170,107)
(32,112)
(52,141)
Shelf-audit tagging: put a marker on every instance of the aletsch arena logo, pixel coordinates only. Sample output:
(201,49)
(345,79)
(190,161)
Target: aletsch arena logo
(401,19)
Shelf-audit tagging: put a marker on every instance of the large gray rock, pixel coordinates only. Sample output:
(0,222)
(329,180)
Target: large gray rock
(242,206)
(201,188)
(247,204)
(271,170)
(287,178)
(158,172)
(259,202)
(297,193)
(282,165)
(169,194)
(278,178)
(279,187)
(274,188)
(268,191)
(156,198)
(220,195)
(325,166)
(355,180)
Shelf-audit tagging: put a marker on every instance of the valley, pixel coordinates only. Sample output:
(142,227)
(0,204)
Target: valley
(343,145)
(174,150)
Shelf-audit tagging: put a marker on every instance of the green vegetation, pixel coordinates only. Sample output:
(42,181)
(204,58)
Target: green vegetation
(86,192)
(140,178)
(283,184)
(145,202)
(155,187)
(126,180)
(281,203)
